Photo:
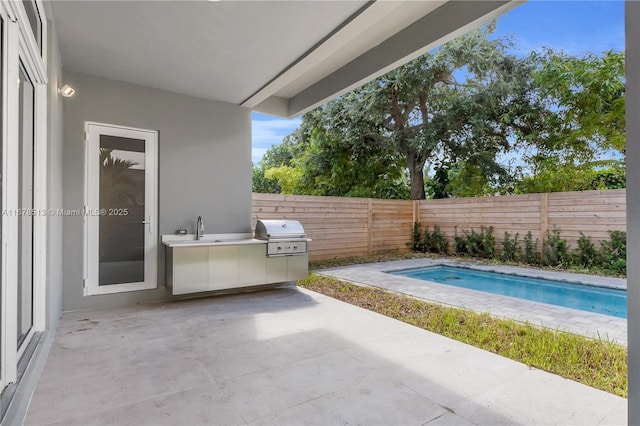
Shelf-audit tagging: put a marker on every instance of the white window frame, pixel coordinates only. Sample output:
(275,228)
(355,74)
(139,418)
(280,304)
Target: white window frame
(91,203)
(20,45)
(4,278)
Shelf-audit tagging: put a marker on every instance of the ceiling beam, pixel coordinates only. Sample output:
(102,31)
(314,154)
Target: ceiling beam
(450,20)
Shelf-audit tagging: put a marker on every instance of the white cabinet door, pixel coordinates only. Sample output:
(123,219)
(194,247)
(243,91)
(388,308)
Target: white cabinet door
(223,267)
(190,270)
(277,269)
(297,268)
(252,265)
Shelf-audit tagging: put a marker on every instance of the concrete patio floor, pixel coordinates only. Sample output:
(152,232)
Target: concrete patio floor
(289,356)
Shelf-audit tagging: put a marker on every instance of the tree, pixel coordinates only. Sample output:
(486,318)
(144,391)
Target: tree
(583,143)
(460,102)
(484,120)
(278,157)
(588,95)
(312,162)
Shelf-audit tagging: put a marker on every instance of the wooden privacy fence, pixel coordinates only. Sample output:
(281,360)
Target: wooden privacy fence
(344,227)
(593,213)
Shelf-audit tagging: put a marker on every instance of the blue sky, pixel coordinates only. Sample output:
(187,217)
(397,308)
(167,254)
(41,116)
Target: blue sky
(576,27)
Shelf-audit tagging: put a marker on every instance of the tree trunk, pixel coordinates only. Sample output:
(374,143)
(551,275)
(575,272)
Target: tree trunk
(415,163)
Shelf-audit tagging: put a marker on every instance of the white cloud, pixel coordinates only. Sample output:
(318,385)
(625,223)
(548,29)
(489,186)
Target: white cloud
(268,132)
(257,154)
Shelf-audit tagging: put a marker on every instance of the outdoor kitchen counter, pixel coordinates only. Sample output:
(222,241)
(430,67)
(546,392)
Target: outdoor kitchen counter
(225,261)
(189,240)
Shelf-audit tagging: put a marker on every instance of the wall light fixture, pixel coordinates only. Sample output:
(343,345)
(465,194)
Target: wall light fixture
(66,91)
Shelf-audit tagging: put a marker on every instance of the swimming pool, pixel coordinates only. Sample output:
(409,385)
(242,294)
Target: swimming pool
(588,298)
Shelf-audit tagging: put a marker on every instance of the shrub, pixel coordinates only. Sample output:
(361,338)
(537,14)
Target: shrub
(416,243)
(488,248)
(587,255)
(426,240)
(614,253)
(510,248)
(556,250)
(460,243)
(531,255)
(482,244)
(438,242)
(473,242)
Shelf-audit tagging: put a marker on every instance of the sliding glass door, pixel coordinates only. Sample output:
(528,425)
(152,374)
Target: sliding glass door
(23,186)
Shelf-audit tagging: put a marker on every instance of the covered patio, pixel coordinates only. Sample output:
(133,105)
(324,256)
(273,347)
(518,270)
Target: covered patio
(289,356)
(183,78)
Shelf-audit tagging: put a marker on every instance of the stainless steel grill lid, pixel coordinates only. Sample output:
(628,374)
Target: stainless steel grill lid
(279,229)
(284,237)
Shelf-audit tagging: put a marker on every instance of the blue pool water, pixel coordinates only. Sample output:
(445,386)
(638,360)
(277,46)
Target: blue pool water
(601,300)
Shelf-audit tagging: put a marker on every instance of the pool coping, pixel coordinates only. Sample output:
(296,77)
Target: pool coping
(537,313)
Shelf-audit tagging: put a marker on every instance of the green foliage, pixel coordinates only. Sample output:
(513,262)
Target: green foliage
(589,94)
(511,251)
(531,254)
(614,253)
(439,242)
(473,243)
(609,260)
(287,178)
(476,244)
(416,242)
(554,176)
(455,102)
(439,184)
(586,254)
(425,241)
(610,178)
(263,185)
(555,251)
(460,243)
(461,108)
(488,243)
(313,161)
(581,123)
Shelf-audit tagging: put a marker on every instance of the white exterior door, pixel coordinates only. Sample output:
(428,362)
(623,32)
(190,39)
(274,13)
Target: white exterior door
(121,236)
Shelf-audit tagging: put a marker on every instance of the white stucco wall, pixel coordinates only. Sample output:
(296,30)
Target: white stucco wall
(54,181)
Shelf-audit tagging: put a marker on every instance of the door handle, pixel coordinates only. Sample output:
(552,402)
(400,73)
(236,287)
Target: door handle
(148,222)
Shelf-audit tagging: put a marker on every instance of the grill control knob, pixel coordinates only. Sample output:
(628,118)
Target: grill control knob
(279,248)
(295,247)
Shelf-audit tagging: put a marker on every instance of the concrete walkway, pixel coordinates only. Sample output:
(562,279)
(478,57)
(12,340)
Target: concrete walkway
(289,356)
(550,316)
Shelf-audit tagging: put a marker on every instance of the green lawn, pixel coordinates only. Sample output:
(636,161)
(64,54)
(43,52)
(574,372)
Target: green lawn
(594,362)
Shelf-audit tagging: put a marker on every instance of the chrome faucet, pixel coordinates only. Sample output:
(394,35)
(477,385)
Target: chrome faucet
(199,228)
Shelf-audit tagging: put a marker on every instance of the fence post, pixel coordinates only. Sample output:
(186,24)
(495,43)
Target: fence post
(369,226)
(544,220)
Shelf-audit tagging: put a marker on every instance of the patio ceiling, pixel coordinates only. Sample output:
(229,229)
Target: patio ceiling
(278,57)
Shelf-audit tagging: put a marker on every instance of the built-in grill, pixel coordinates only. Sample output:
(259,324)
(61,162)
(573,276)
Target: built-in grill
(284,237)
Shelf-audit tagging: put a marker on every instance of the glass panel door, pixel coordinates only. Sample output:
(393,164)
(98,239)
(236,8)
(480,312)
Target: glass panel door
(121,209)
(121,240)
(25,204)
